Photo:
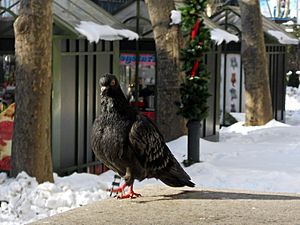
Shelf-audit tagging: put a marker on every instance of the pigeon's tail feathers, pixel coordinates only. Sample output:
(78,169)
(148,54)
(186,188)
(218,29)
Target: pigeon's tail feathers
(170,181)
(176,177)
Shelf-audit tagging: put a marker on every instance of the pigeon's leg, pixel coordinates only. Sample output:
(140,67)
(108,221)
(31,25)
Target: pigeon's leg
(128,182)
(120,189)
(130,193)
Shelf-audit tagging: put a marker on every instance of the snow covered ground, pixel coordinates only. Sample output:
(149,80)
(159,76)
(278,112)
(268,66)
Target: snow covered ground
(264,158)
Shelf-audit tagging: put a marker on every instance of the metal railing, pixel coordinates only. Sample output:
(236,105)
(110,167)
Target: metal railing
(9,8)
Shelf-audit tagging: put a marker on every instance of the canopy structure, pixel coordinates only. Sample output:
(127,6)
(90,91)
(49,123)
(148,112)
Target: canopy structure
(128,15)
(85,18)
(230,19)
(78,18)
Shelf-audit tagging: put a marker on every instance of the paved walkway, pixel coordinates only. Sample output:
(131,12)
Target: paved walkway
(165,205)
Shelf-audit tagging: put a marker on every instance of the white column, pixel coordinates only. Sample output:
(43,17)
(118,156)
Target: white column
(298,12)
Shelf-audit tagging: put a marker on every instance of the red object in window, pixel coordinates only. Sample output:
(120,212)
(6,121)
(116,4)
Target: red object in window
(137,104)
(97,169)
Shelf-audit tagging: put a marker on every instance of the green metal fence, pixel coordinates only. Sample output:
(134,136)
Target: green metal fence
(77,66)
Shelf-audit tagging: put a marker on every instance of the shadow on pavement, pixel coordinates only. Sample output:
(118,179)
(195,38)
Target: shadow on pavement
(219,195)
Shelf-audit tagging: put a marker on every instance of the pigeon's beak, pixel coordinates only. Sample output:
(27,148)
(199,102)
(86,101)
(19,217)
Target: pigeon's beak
(103,89)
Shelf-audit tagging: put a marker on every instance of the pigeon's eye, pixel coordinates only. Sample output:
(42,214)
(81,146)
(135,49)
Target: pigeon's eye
(113,82)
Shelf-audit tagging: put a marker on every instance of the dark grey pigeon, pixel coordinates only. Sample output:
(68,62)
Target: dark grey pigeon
(130,144)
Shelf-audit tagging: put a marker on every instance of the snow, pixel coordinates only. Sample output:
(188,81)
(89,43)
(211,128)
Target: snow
(219,35)
(175,17)
(289,23)
(283,38)
(29,201)
(95,32)
(262,158)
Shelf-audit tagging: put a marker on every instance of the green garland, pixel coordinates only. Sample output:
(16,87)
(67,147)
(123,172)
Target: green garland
(194,89)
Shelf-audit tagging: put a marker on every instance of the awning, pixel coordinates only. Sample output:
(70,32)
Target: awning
(126,15)
(85,18)
(230,17)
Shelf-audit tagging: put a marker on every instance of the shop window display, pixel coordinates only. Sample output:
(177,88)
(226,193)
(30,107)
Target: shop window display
(7,108)
(145,97)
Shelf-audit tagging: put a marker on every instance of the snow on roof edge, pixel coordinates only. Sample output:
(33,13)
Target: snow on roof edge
(219,35)
(95,32)
(283,38)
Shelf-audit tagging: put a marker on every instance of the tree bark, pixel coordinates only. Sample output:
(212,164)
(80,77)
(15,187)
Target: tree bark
(31,150)
(258,97)
(168,40)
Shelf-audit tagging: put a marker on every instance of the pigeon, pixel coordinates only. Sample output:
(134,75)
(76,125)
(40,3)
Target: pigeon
(130,144)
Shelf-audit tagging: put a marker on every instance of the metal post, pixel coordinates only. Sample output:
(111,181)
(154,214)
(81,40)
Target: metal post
(193,141)
(137,54)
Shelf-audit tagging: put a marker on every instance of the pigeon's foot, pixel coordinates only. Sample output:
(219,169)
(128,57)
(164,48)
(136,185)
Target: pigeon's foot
(129,194)
(120,189)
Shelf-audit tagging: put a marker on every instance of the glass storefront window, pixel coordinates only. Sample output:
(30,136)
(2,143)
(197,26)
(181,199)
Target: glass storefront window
(144,99)
(12,5)
(7,81)
(7,108)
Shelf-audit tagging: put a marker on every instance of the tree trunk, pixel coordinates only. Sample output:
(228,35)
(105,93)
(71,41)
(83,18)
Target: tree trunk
(168,41)
(31,150)
(258,97)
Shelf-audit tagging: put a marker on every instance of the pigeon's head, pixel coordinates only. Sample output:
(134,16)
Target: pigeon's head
(109,85)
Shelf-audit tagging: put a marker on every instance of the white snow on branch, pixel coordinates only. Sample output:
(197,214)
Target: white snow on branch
(175,17)
(95,32)
(219,35)
(283,38)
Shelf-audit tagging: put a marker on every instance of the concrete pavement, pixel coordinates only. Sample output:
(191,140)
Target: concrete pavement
(165,205)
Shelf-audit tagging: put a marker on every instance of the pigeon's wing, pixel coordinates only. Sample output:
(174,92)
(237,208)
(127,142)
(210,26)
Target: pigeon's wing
(148,145)
(154,155)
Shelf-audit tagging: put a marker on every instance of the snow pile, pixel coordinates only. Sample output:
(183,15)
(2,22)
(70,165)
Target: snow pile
(24,201)
(264,159)
(283,38)
(241,129)
(238,116)
(292,106)
(95,32)
(292,99)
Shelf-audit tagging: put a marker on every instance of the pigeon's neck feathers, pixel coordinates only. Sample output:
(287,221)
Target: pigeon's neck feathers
(119,98)
(117,102)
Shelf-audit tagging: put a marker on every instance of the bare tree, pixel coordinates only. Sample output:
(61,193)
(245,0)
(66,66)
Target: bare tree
(257,94)
(168,41)
(31,138)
